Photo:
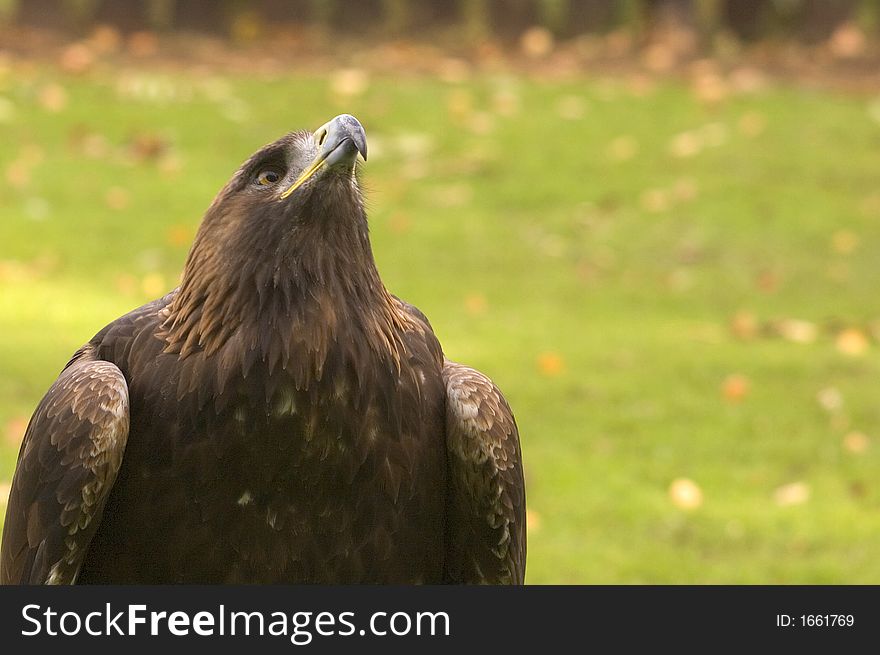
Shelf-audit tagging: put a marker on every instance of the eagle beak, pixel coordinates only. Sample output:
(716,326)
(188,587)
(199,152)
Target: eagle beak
(339,142)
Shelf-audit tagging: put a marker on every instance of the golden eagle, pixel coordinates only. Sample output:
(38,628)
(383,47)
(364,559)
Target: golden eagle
(280,417)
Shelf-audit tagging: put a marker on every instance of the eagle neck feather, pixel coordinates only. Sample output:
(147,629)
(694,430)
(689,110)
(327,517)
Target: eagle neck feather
(287,305)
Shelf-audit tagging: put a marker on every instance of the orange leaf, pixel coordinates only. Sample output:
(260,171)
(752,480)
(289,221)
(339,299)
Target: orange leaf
(735,388)
(550,364)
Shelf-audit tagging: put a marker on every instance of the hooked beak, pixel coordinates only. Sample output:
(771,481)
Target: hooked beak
(339,142)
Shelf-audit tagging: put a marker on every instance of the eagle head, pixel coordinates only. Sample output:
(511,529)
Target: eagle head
(287,235)
(301,181)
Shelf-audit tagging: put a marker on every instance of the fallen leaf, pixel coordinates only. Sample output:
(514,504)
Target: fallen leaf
(623,148)
(126,284)
(685,494)
(795,493)
(680,280)
(550,364)
(53,98)
(400,222)
(476,304)
(349,82)
(686,144)
(153,285)
(767,281)
(830,399)
(852,342)
(735,388)
(147,146)
(536,42)
(37,209)
(752,124)
(481,123)
(7,110)
(848,41)
(710,88)
(714,134)
(747,80)
(858,489)
(170,164)
(14,430)
(143,44)
(797,331)
(460,104)
(179,235)
(659,58)
(116,198)
(105,39)
(655,200)
(844,242)
(571,108)
(856,442)
(685,189)
(77,59)
(506,102)
(533,521)
(744,325)
(453,70)
(18,174)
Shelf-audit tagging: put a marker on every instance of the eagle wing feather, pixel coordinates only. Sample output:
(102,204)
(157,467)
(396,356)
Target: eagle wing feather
(486,537)
(69,459)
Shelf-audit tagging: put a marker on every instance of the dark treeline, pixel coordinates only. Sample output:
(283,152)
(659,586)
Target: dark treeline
(808,20)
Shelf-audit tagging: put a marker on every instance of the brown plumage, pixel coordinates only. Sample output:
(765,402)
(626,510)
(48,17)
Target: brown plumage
(280,417)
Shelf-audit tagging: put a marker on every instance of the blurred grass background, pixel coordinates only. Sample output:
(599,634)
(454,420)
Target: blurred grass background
(673,279)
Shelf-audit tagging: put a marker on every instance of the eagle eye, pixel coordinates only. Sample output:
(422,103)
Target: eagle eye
(268,177)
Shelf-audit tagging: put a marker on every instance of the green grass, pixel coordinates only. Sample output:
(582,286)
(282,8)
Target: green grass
(602,312)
